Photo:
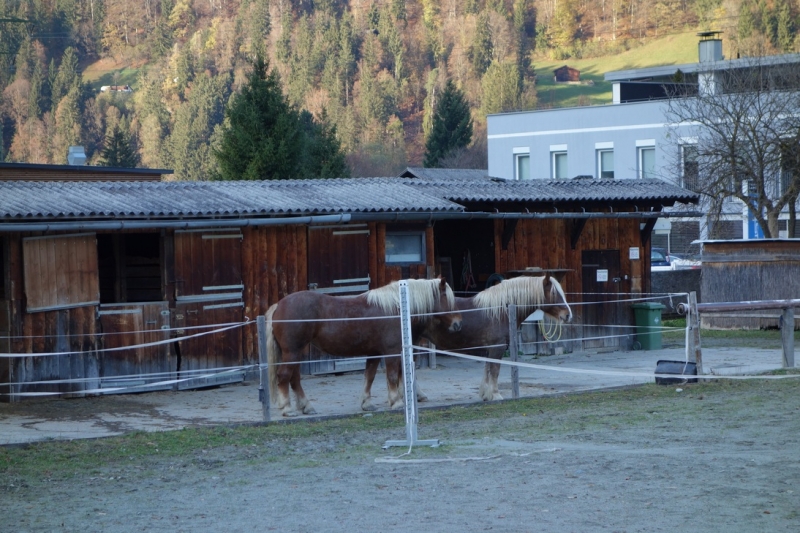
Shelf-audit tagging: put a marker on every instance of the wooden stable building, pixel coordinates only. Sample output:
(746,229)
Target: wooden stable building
(763,269)
(89,266)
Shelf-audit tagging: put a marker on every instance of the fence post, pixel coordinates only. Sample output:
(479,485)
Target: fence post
(408,376)
(693,320)
(787,337)
(263,387)
(512,349)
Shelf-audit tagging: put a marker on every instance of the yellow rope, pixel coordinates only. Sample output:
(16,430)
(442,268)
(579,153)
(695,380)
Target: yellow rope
(549,333)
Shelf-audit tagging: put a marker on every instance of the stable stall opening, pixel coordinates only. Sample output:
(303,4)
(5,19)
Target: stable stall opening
(465,253)
(129,267)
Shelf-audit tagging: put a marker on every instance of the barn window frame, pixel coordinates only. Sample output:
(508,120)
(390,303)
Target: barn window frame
(397,241)
(60,271)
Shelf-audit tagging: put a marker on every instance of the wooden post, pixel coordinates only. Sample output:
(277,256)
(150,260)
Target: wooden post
(512,349)
(695,351)
(263,387)
(787,337)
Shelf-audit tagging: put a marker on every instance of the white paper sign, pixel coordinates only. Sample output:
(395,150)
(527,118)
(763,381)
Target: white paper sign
(633,253)
(602,275)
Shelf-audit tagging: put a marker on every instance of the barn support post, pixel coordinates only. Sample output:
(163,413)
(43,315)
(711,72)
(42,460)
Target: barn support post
(787,336)
(409,383)
(693,342)
(513,350)
(263,387)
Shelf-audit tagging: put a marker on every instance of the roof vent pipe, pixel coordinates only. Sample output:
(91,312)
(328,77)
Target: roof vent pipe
(76,155)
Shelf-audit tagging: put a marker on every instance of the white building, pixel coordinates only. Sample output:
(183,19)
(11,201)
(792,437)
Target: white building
(628,139)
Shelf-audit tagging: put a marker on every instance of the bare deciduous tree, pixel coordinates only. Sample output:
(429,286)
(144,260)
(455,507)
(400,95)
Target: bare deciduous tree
(739,138)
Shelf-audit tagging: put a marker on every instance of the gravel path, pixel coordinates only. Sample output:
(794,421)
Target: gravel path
(716,457)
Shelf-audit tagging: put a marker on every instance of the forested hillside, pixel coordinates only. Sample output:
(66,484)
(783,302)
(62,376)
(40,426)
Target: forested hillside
(371,69)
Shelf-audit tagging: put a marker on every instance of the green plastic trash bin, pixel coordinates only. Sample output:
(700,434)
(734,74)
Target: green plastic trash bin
(648,324)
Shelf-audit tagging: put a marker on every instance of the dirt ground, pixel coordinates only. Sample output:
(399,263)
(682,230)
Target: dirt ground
(707,457)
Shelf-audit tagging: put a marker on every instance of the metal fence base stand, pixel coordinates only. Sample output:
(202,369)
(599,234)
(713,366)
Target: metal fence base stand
(433,443)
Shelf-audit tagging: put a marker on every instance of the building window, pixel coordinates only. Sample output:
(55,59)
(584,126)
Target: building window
(559,163)
(647,162)
(605,164)
(690,167)
(522,166)
(405,247)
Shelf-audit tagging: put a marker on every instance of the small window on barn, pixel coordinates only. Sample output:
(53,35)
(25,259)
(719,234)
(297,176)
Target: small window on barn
(130,267)
(405,247)
(60,272)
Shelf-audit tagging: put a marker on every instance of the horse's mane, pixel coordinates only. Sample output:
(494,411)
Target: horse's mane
(423,294)
(523,291)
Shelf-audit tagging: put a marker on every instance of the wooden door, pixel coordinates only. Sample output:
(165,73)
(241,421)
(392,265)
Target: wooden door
(208,292)
(601,290)
(135,324)
(338,259)
(338,264)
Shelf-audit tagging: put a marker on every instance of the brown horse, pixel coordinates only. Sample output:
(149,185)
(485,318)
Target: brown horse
(485,321)
(350,326)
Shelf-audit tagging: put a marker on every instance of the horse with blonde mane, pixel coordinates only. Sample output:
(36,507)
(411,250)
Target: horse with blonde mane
(485,321)
(365,325)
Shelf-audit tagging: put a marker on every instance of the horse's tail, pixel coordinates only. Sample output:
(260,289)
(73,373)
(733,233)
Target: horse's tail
(273,356)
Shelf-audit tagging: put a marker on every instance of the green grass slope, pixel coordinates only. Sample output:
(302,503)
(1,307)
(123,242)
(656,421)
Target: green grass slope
(669,50)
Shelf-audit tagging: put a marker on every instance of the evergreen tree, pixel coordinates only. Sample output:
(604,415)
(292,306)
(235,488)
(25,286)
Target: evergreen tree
(265,138)
(452,126)
(66,78)
(118,151)
(261,138)
(323,153)
(481,52)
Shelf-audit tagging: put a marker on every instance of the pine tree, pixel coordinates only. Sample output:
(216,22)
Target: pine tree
(118,151)
(265,138)
(452,126)
(261,138)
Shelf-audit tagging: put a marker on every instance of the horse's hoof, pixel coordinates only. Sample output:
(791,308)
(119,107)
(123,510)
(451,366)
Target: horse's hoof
(422,397)
(497,396)
(308,410)
(397,405)
(289,414)
(368,407)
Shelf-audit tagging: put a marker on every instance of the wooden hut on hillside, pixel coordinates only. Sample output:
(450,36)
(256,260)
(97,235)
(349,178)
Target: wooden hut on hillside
(566,74)
(88,266)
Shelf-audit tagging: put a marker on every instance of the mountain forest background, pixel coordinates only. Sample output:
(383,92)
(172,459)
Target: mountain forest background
(373,70)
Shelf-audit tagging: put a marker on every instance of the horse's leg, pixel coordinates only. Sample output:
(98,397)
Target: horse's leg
(393,369)
(369,378)
(284,377)
(488,390)
(303,405)
(421,396)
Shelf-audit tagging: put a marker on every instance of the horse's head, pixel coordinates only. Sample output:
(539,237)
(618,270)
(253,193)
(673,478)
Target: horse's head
(557,306)
(447,314)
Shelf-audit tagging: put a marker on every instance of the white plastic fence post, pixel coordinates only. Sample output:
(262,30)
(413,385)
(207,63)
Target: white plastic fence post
(408,377)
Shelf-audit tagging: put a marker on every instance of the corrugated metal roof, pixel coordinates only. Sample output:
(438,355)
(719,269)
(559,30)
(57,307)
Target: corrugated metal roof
(574,190)
(448,174)
(218,198)
(136,200)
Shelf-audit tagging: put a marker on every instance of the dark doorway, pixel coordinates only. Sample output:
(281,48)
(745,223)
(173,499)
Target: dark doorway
(129,267)
(465,253)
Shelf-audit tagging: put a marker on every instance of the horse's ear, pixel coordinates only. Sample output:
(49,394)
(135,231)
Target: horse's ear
(547,282)
(442,283)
